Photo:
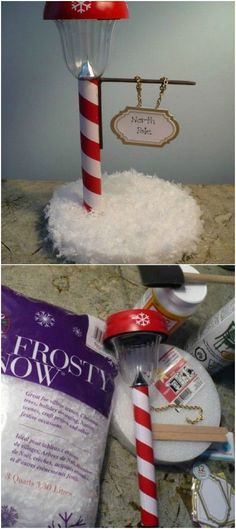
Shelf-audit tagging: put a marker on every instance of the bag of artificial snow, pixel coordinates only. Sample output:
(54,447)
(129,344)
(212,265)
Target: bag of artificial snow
(57,388)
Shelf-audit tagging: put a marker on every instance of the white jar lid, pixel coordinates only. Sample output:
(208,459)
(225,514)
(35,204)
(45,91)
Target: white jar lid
(186,297)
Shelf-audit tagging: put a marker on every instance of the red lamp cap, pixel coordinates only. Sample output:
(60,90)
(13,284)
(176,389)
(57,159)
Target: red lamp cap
(85,10)
(134,320)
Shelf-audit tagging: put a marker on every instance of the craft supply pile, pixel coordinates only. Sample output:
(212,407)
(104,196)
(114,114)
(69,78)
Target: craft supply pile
(60,371)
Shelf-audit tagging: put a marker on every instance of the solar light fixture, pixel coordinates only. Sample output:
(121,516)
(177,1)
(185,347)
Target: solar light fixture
(85,29)
(135,336)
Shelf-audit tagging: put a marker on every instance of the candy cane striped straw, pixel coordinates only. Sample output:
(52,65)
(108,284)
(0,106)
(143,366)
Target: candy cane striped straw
(144,452)
(90,143)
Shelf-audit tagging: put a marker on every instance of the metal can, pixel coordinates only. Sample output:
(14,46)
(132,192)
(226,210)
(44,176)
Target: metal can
(214,343)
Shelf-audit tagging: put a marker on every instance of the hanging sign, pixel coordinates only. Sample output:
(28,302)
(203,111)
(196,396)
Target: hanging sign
(145,126)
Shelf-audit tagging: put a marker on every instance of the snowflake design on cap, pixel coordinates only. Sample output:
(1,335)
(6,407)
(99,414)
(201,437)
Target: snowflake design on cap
(81,7)
(44,319)
(141,319)
(77,332)
(9,516)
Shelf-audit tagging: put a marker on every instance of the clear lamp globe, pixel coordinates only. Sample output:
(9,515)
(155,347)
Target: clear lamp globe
(137,353)
(86,45)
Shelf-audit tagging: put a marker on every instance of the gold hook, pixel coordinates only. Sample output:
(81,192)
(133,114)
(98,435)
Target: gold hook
(139,90)
(163,87)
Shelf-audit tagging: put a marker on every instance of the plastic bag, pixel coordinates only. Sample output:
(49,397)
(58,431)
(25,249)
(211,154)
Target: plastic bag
(57,389)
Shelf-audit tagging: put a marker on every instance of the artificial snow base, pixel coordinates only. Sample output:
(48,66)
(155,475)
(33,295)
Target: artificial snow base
(141,219)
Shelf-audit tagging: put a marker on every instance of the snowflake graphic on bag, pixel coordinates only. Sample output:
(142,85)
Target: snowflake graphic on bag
(44,319)
(80,7)
(9,516)
(77,332)
(65,518)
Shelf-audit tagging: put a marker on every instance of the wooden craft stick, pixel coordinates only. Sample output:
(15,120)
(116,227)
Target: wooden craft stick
(208,278)
(179,432)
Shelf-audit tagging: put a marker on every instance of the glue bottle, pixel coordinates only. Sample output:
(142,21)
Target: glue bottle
(175,304)
(214,343)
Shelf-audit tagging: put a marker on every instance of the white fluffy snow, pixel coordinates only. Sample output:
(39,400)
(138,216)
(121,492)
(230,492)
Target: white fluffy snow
(142,219)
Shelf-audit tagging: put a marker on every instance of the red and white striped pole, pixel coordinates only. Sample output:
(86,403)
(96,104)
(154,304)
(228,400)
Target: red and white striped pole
(90,143)
(134,335)
(144,453)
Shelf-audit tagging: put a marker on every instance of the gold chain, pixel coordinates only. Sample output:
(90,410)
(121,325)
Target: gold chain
(163,87)
(139,90)
(186,407)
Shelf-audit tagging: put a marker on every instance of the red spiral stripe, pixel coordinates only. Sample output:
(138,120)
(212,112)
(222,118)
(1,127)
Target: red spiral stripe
(145,457)
(90,143)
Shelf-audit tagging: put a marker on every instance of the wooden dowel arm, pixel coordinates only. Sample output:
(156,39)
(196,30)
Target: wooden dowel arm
(145,81)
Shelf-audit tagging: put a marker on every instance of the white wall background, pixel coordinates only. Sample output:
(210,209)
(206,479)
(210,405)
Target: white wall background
(181,40)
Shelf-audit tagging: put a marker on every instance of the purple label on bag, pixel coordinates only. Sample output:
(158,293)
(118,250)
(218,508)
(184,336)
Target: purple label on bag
(46,344)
